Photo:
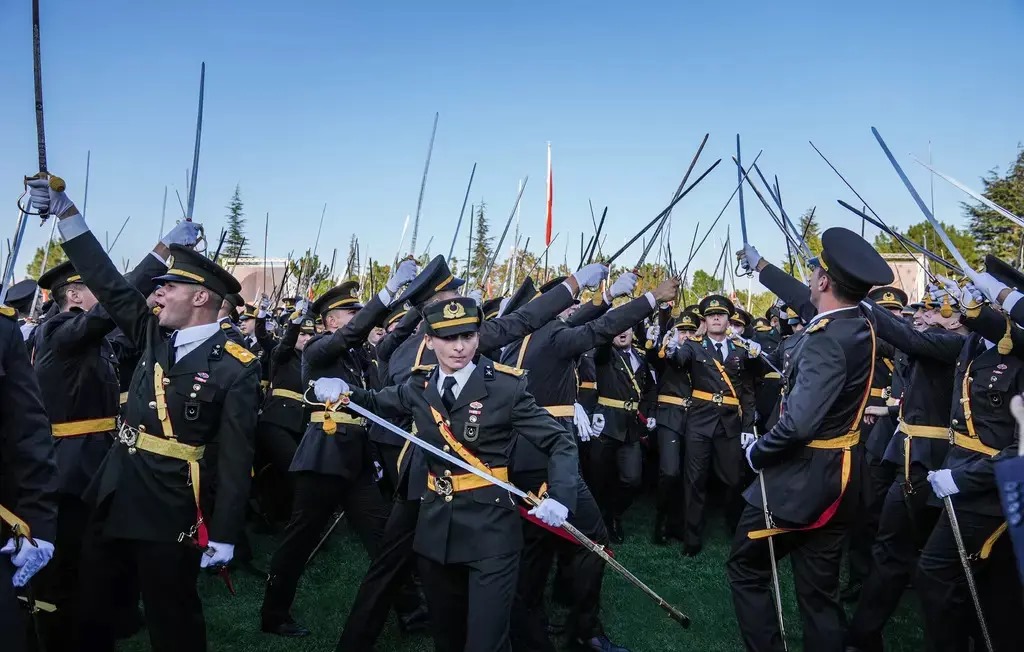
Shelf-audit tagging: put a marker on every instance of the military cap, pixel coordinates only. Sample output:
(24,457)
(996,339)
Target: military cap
(308,326)
(20,295)
(250,312)
(522,296)
(909,310)
(289,302)
(185,265)
(340,297)
(59,276)
(888,297)
(791,315)
(688,321)
(762,325)
(740,316)
(491,307)
(235,300)
(851,262)
(1004,272)
(435,277)
(716,304)
(695,310)
(396,314)
(452,317)
(772,311)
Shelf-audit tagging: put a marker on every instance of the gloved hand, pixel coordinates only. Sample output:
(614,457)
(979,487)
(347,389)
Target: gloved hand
(942,483)
(222,554)
(329,390)
(184,233)
(28,560)
(971,296)
(45,199)
(748,258)
(551,512)
(477,296)
(405,273)
(582,422)
(301,306)
(652,423)
(652,333)
(671,342)
(753,349)
(989,285)
(624,285)
(746,454)
(502,306)
(746,439)
(264,302)
(590,276)
(597,424)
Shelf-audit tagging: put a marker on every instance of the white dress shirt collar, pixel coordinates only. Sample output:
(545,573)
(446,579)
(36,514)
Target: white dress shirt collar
(461,378)
(188,339)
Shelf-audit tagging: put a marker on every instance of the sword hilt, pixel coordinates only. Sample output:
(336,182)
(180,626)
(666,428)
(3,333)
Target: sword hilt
(57,184)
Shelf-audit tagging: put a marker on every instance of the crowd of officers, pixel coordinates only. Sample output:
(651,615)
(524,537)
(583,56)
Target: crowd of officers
(151,416)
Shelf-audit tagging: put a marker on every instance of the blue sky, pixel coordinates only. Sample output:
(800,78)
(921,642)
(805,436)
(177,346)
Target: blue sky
(319,101)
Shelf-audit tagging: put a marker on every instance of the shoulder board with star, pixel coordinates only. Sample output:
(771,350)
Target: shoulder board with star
(8,312)
(818,326)
(239,352)
(505,369)
(423,368)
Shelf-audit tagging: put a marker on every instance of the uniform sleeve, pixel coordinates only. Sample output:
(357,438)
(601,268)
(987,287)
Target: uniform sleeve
(392,402)
(820,379)
(403,330)
(587,312)
(234,455)
(991,324)
(683,355)
(574,342)
(27,444)
(793,292)
(327,349)
(747,397)
(942,347)
(287,343)
(533,423)
(506,329)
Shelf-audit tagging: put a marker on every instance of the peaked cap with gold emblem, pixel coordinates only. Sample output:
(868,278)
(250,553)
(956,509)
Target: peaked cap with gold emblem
(452,317)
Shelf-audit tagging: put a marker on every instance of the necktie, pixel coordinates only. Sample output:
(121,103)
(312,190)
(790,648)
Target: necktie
(718,347)
(447,395)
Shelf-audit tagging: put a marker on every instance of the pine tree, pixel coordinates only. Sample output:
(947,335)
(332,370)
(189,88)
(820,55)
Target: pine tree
(994,233)
(54,258)
(811,231)
(482,244)
(235,242)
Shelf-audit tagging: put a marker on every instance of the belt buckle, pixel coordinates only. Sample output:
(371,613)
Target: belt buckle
(717,398)
(886,393)
(629,405)
(687,402)
(952,437)
(129,437)
(443,486)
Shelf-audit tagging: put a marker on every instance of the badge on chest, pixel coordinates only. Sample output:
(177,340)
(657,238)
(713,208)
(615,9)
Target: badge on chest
(471,432)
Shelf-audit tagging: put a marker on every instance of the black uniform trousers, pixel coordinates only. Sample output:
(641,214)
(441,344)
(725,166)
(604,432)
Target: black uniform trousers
(584,572)
(12,617)
(670,457)
(705,452)
(387,456)
(815,556)
(949,614)
(167,574)
(274,450)
(471,603)
(905,523)
(317,496)
(382,584)
(618,469)
(275,446)
(57,582)
(879,476)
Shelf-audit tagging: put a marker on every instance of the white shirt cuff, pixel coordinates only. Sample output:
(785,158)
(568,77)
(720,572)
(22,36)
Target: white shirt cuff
(749,450)
(1012,300)
(384,296)
(568,287)
(72,227)
(650,297)
(158,257)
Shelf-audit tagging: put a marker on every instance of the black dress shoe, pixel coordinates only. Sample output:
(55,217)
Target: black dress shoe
(288,629)
(416,621)
(615,533)
(692,551)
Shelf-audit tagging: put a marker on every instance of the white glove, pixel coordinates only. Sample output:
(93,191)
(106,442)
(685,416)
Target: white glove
(184,233)
(652,423)
(749,258)
(597,424)
(942,483)
(652,333)
(265,303)
(551,512)
(750,449)
(301,306)
(746,439)
(590,276)
(753,349)
(222,554)
(28,560)
(329,390)
(971,296)
(673,342)
(45,199)
(405,273)
(582,422)
(477,296)
(623,286)
(989,285)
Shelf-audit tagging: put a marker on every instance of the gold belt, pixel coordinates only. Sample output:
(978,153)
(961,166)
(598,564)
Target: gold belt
(83,427)
(629,406)
(560,410)
(588,384)
(673,400)
(971,444)
(848,440)
(925,432)
(772,375)
(881,392)
(136,440)
(286,393)
(717,398)
(338,417)
(18,526)
(448,484)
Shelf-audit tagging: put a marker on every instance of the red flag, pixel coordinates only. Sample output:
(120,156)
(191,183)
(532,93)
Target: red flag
(551,194)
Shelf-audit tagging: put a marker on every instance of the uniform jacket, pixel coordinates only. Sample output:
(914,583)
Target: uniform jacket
(698,357)
(827,380)
(211,396)
(618,381)
(286,374)
(491,411)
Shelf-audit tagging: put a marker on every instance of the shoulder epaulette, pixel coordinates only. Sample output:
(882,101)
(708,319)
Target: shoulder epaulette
(8,312)
(423,368)
(818,325)
(225,326)
(505,369)
(696,338)
(239,352)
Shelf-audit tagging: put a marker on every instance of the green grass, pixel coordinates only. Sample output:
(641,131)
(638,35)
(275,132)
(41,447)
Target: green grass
(696,586)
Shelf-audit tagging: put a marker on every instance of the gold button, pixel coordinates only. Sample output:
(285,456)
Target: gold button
(447,473)
(142,428)
(152,405)
(447,422)
(167,381)
(195,388)
(192,395)
(446,449)
(447,499)
(955,422)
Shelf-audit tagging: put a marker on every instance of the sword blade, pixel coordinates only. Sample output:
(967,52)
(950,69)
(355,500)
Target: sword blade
(976,196)
(199,138)
(739,178)
(423,187)
(954,524)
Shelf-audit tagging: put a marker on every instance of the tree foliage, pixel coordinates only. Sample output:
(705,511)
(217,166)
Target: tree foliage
(55,257)
(308,271)
(924,234)
(235,243)
(482,243)
(995,234)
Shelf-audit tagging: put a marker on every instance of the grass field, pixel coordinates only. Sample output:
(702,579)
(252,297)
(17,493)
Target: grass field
(697,586)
